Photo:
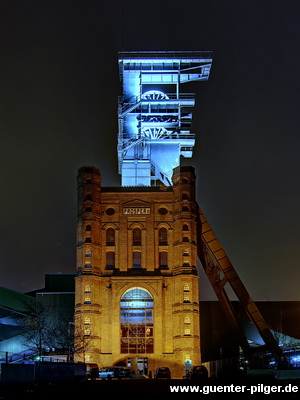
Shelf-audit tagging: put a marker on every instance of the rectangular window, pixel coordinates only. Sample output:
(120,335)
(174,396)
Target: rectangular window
(110,237)
(163,259)
(136,237)
(110,260)
(186,299)
(137,259)
(187,332)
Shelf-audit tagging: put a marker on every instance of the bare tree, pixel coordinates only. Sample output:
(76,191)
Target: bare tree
(83,339)
(36,326)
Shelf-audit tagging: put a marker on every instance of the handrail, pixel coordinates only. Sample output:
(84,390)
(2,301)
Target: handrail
(124,55)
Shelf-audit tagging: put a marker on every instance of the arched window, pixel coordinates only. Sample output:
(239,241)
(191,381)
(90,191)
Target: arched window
(136,316)
(163,237)
(87,321)
(87,289)
(88,228)
(186,287)
(185,196)
(88,253)
(110,260)
(136,237)
(110,237)
(163,260)
(185,227)
(187,320)
(88,197)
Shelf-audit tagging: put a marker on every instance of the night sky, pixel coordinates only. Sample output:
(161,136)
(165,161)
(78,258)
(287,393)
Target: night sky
(58,96)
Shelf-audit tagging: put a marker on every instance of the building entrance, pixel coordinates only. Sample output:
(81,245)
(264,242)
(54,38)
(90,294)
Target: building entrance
(138,364)
(136,315)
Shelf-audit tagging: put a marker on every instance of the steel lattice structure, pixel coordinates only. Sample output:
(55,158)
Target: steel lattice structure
(154,115)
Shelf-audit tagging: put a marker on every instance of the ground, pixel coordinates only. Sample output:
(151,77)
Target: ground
(145,389)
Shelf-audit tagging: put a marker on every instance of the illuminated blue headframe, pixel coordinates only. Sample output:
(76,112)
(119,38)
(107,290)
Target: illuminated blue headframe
(154,117)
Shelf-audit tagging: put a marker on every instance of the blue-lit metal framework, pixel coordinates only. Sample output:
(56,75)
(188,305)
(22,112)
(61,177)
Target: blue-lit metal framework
(154,116)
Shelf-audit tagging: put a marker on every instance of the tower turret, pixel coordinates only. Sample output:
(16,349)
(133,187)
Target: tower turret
(185,219)
(89,218)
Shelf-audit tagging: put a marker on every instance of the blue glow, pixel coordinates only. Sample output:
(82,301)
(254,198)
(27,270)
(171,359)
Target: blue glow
(154,124)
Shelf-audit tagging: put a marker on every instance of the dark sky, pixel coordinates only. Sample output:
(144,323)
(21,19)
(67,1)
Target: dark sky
(59,86)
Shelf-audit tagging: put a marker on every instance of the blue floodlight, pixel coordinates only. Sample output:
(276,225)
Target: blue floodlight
(154,117)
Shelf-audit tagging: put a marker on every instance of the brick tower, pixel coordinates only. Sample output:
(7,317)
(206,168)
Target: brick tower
(137,289)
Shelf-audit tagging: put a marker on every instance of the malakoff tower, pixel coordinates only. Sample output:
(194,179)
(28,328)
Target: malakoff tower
(137,287)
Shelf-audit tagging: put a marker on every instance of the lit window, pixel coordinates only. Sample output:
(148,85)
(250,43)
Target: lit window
(187,331)
(186,299)
(136,316)
(186,287)
(110,237)
(87,321)
(87,289)
(87,332)
(87,300)
(136,237)
(163,237)
(88,253)
(187,320)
